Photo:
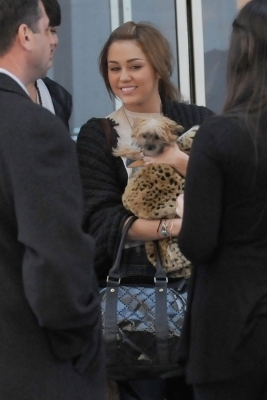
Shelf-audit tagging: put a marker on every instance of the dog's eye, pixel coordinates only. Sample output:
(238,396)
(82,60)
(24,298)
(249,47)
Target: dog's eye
(156,136)
(144,135)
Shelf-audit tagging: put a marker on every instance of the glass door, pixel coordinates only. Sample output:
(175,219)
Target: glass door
(211,28)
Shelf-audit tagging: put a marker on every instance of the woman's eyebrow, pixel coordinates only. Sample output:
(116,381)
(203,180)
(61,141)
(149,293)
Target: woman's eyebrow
(128,61)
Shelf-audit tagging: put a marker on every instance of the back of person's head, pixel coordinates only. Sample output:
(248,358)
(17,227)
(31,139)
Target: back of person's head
(155,47)
(13,13)
(53,11)
(247,60)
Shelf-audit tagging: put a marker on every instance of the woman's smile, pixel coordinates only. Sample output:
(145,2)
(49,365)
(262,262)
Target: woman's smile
(132,77)
(128,89)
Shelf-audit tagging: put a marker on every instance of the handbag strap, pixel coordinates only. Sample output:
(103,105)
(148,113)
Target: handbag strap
(114,272)
(160,273)
(113,281)
(108,131)
(161,321)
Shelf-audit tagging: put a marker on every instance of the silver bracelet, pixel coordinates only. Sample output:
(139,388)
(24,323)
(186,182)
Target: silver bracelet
(164,228)
(170,230)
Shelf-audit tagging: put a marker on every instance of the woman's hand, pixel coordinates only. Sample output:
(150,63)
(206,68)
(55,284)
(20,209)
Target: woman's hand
(180,205)
(172,156)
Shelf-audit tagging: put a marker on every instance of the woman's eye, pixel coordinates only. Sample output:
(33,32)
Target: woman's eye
(136,66)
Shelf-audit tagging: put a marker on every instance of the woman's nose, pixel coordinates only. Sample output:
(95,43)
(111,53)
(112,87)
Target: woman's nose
(125,76)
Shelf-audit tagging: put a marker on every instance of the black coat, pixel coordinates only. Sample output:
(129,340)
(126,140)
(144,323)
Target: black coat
(61,99)
(50,336)
(224,234)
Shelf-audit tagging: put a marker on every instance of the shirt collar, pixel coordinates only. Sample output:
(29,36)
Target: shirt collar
(4,71)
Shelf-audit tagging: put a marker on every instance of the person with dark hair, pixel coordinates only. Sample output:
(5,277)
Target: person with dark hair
(50,336)
(223,233)
(44,90)
(136,65)
(53,11)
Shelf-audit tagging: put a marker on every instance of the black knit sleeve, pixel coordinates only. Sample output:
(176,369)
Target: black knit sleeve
(191,114)
(185,114)
(104,179)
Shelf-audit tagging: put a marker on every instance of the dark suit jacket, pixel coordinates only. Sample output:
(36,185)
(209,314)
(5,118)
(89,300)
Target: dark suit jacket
(224,234)
(50,336)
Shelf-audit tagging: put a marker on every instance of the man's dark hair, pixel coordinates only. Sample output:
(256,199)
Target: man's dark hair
(52,9)
(13,13)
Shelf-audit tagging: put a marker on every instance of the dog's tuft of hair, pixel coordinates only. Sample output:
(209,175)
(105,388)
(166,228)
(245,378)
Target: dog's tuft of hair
(151,136)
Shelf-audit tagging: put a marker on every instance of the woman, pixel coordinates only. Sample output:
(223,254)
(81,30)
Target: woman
(135,64)
(47,92)
(224,228)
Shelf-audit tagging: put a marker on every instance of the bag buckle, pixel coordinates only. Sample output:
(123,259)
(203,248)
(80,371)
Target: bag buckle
(115,280)
(164,279)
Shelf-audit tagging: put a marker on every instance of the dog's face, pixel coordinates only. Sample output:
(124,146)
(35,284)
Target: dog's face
(152,135)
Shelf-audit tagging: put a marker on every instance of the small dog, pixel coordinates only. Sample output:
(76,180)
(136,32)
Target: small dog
(152,190)
(152,135)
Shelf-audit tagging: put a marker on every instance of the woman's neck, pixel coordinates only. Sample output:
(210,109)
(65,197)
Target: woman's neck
(145,108)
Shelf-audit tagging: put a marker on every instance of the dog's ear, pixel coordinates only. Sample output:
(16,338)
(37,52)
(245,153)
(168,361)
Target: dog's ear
(170,129)
(174,127)
(179,129)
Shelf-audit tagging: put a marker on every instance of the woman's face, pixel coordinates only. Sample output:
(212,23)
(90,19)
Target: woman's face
(132,77)
(54,43)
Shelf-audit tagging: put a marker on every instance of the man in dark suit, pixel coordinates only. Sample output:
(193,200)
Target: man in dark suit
(50,327)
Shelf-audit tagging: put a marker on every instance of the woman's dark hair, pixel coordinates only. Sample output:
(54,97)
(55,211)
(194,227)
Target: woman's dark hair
(247,61)
(53,11)
(13,13)
(153,44)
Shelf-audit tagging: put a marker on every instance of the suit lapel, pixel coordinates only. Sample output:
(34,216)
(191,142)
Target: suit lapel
(7,84)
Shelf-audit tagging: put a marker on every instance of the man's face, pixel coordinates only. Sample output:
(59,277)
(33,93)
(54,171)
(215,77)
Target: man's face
(43,45)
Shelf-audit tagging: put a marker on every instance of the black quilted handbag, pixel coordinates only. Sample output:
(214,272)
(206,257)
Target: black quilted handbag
(142,322)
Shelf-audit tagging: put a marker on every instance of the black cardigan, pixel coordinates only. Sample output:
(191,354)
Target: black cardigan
(104,178)
(61,99)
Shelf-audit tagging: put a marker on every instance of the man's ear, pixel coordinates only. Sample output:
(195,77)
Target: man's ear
(24,36)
